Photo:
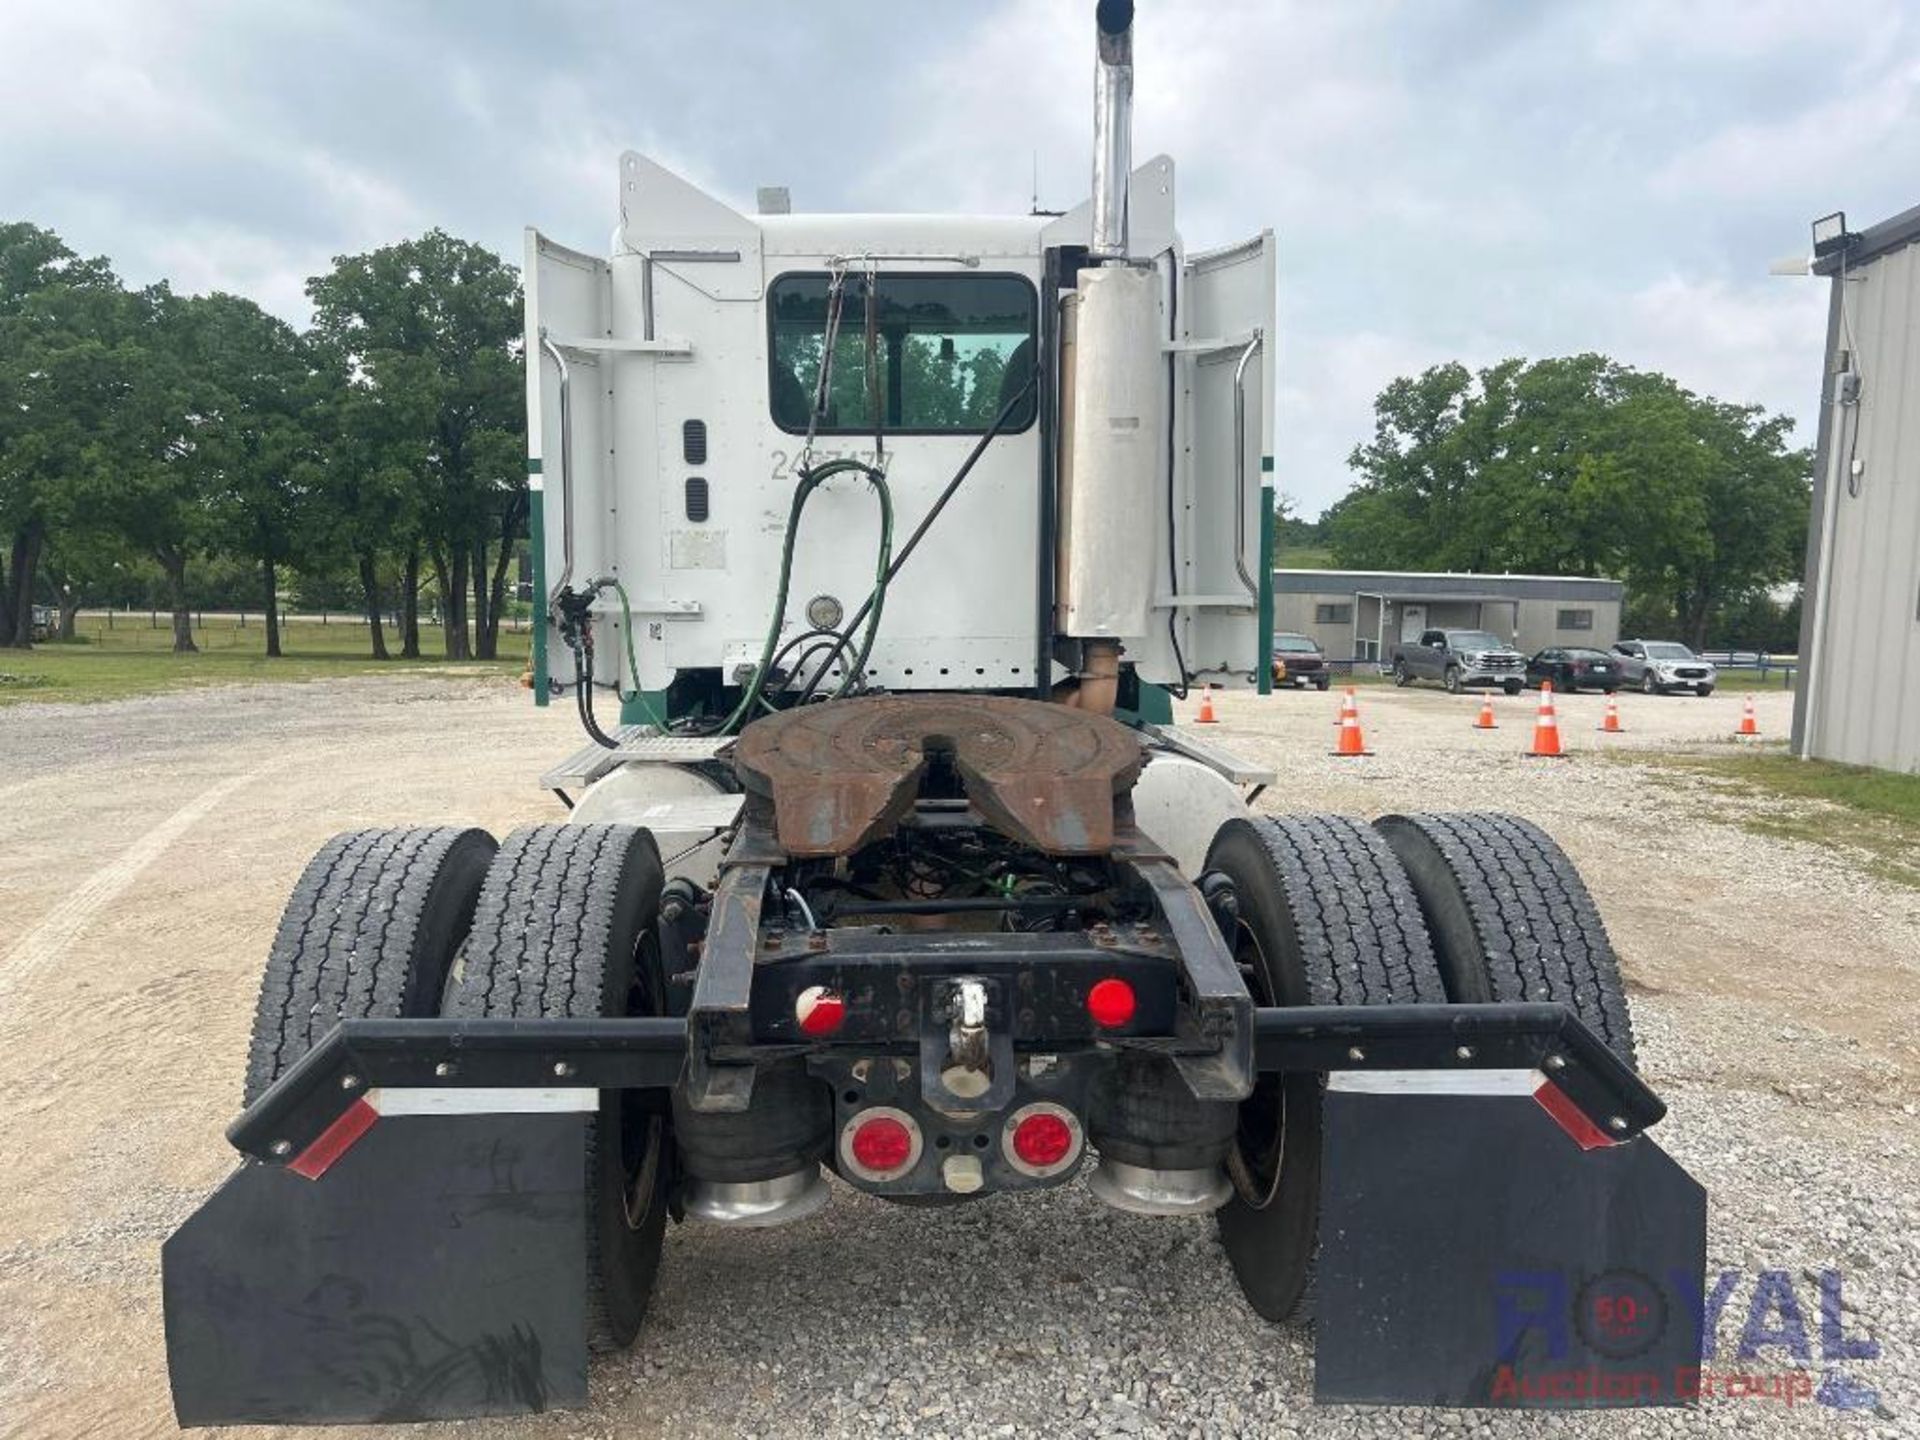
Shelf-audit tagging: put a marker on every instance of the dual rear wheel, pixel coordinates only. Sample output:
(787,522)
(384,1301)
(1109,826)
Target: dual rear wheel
(1413,909)
(560,920)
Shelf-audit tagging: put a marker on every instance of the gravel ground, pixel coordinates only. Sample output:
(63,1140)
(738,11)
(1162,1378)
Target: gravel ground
(146,847)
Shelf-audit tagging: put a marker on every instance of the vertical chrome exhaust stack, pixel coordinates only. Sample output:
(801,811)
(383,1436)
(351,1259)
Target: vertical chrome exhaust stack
(1112,128)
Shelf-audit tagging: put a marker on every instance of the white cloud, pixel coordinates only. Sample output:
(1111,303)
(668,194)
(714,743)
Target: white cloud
(1803,149)
(1454,179)
(1758,343)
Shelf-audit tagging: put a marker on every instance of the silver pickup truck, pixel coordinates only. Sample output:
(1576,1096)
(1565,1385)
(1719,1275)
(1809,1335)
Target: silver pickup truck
(1460,659)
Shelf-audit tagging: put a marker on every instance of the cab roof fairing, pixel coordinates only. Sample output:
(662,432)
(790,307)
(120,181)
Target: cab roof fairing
(659,212)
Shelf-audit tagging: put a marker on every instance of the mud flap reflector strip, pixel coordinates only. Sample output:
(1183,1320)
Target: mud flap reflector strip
(1549,1096)
(354,1122)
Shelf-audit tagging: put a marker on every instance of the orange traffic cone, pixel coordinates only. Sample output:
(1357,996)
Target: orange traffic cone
(1749,722)
(1206,715)
(1351,741)
(1610,724)
(1546,727)
(1485,722)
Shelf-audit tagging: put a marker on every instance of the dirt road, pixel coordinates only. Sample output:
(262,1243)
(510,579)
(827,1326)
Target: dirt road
(146,848)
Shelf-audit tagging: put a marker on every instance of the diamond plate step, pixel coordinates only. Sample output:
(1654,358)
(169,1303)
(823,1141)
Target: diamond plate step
(638,746)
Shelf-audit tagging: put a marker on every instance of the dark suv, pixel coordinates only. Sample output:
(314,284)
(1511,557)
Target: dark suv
(1299,660)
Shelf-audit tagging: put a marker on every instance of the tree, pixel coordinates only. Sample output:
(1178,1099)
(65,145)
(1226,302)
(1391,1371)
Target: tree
(149,465)
(1583,466)
(435,323)
(55,312)
(370,443)
(253,449)
(1290,532)
(81,561)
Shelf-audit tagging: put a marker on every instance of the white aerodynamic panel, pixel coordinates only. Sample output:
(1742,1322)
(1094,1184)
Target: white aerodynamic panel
(1150,193)
(568,311)
(690,235)
(1227,323)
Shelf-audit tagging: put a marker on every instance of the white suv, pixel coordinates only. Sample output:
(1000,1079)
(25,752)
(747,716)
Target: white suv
(1660,667)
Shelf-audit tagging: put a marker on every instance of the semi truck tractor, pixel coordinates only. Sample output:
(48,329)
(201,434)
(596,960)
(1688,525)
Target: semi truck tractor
(872,553)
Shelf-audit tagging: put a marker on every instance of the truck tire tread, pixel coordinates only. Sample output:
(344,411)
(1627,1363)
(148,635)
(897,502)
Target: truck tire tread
(1504,902)
(1353,910)
(1350,932)
(368,932)
(561,921)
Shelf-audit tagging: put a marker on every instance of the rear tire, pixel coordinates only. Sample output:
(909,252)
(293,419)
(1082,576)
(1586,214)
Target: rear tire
(1400,675)
(1511,919)
(368,933)
(566,927)
(1325,917)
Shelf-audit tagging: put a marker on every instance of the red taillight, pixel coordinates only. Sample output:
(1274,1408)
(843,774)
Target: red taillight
(880,1143)
(1041,1139)
(819,1010)
(1110,1003)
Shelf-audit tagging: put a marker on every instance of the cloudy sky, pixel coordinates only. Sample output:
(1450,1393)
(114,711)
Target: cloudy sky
(1448,178)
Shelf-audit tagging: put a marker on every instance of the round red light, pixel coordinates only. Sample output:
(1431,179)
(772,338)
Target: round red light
(882,1144)
(819,1010)
(1110,1003)
(1042,1140)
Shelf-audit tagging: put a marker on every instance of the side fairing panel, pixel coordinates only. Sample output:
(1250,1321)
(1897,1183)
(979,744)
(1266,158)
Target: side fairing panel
(1226,325)
(569,310)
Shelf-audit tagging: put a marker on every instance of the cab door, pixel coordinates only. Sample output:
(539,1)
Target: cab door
(1224,538)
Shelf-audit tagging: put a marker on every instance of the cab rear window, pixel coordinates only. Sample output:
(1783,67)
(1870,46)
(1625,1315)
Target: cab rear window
(949,352)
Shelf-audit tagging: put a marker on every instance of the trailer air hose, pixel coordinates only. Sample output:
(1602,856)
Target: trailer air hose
(581,643)
(810,481)
(576,630)
(919,532)
(639,695)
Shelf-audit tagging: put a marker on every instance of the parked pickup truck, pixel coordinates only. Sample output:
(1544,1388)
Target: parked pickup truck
(1460,659)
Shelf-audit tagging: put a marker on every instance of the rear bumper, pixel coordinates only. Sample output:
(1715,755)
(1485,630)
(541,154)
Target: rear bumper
(443,1066)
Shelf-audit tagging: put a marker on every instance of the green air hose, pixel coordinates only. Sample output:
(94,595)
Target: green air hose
(811,480)
(639,695)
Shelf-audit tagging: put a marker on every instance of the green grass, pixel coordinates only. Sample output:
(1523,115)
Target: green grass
(1302,557)
(1741,681)
(1874,813)
(135,658)
(1853,787)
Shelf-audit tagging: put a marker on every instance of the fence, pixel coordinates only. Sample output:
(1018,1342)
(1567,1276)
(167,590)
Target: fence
(242,619)
(1755,662)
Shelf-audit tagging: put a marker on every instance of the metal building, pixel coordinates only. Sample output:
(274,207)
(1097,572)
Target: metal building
(1363,614)
(1859,699)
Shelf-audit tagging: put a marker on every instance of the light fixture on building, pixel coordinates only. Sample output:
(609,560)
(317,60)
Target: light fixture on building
(1831,236)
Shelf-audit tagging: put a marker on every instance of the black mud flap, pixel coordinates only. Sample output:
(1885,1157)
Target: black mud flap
(1477,1251)
(436,1269)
